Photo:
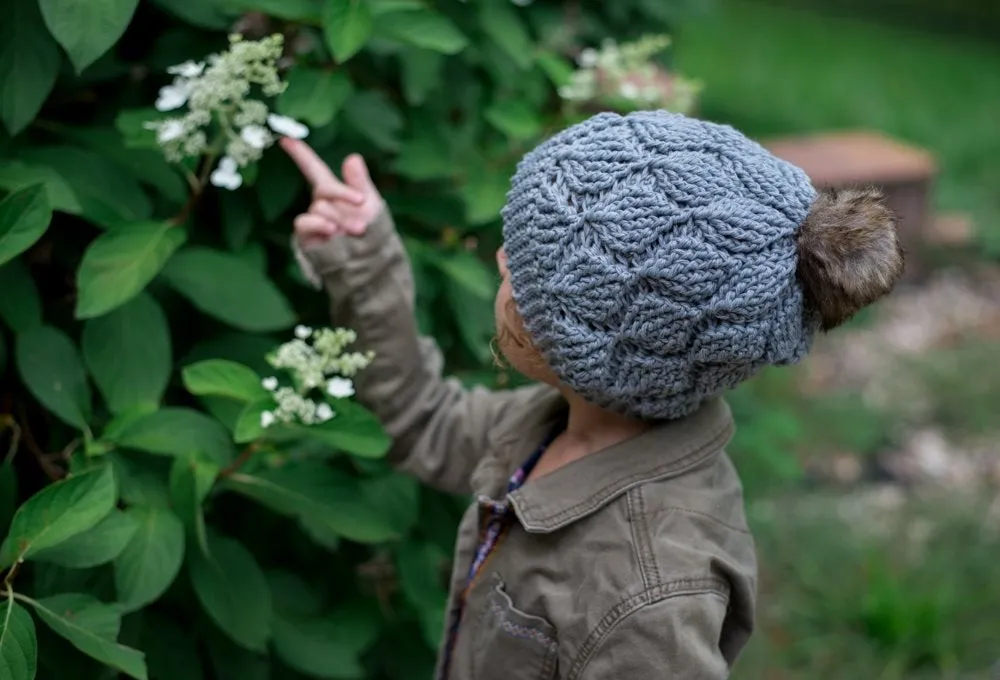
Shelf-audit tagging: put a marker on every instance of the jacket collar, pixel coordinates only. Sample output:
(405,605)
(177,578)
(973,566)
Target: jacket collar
(584,486)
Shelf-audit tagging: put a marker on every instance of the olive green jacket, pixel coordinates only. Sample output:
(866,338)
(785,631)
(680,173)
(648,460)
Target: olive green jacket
(634,562)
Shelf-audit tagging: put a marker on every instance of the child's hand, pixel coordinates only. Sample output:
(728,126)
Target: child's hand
(337,207)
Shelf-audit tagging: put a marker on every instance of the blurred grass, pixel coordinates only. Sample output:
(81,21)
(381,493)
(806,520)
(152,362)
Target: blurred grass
(774,70)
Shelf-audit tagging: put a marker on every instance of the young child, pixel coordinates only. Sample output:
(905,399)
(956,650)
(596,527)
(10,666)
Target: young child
(650,263)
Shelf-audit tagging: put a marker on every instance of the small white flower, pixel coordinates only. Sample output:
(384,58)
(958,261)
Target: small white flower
(173,96)
(270,384)
(324,412)
(340,388)
(588,58)
(303,332)
(629,90)
(169,130)
(226,175)
(188,69)
(267,419)
(286,126)
(256,136)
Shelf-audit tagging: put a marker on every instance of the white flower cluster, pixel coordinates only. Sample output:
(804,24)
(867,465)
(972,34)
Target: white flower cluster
(314,359)
(626,72)
(217,93)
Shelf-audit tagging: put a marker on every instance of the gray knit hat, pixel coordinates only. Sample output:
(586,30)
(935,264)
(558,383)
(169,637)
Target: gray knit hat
(653,258)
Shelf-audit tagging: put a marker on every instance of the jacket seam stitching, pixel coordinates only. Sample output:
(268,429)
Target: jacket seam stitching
(698,513)
(642,539)
(625,608)
(600,497)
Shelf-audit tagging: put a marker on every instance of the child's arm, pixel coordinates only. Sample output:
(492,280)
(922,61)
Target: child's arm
(347,243)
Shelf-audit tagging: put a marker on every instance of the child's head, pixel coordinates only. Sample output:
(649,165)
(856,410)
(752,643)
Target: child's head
(652,261)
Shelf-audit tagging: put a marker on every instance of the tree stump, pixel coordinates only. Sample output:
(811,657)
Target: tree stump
(851,159)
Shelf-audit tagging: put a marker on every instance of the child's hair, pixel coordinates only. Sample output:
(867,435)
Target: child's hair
(658,260)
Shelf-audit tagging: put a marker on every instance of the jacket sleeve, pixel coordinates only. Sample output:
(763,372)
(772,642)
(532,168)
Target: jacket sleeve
(438,427)
(674,639)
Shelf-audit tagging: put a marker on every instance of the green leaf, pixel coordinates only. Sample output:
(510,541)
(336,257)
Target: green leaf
(151,560)
(87,28)
(128,354)
(211,15)
(24,217)
(233,591)
(8,495)
(190,481)
(421,28)
(425,156)
(92,627)
(516,119)
(178,431)
(140,479)
(223,378)
(325,647)
(15,175)
(314,96)
(278,186)
(484,193)
(121,262)
(108,195)
(237,220)
(52,371)
(421,74)
(466,270)
(397,496)
(375,117)
(29,63)
(248,427)
(18,645)
(499,20)
(20,306)
(96,546)
(354,430)
(58,512)
(307,11)
(195,273)
(326,497)
(558,69)
(347,25)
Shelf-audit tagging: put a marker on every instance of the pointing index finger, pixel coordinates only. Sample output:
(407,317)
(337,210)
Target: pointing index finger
(317,172)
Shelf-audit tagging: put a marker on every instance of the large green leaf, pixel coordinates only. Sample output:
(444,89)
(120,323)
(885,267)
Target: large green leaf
(313,490)
(178,431)
(212,15)
(51,369)
(314,96)
(397,497)
(516,119)
(24,217)
(18,645)
(354,430)
(20,306)
(15,175)
(108,194)
(98,545)
(500,21)
(375,117)
(92,627)
(328,646)
(425,156)
(421,74)
(128,353)
(233,591)
(87,28)
(151,560)
(224,286)
(421,28)
(58,512)
(191,479)
(223,378)
(347,25)
(465,270)
(278,185)
(120,263)
(29,63)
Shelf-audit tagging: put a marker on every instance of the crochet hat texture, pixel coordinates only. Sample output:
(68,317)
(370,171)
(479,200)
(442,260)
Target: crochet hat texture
(659,260)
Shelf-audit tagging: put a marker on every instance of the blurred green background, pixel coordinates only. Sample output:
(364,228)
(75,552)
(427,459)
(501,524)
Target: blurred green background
(871,471)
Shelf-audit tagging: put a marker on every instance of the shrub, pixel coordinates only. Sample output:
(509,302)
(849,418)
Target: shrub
(154,527)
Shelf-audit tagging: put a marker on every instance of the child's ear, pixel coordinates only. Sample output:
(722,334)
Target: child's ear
(849,253)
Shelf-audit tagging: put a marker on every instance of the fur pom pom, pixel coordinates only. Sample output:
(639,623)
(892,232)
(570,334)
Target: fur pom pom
(849,253)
